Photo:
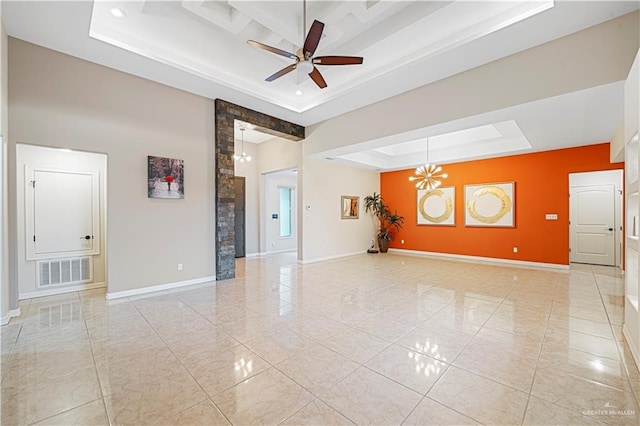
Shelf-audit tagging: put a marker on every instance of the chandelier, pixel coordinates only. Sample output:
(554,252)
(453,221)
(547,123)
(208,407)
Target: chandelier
(428,176)
(242,157)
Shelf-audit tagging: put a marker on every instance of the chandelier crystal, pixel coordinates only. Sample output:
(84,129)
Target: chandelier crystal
(428,176)
(242,157)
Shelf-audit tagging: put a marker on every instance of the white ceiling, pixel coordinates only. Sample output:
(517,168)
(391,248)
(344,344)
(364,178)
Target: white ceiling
(200,47)
(213,35)
(251,135)
(584,117)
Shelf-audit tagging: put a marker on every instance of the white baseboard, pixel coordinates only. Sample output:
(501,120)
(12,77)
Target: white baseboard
(337,256)
(13,313)
(267,253)
(61,290)
(280,251)
(479,259)
(159,287)
(635,352)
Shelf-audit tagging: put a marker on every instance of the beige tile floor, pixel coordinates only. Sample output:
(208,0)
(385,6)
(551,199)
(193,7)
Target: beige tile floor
(370,339)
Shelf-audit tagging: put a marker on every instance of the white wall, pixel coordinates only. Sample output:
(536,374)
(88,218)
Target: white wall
(249,170)
(58,159)
(631,104)
(275,155)
(60,101)
(5,305)
(616,146)
(326,234)
(278,154)
(272,184)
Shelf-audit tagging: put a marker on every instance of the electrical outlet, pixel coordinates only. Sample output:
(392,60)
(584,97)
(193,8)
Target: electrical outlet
(515,249)
(401,241)
(180,267)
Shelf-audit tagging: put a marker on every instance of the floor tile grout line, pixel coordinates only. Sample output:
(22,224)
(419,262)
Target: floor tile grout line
(207,396)
(101,399)
(535,371)
(542,346)
(449,364)
(299,410)
(359,366)
(619,348)
(95,365)
(413,409)
(471,339)
(453,409)
(242,381)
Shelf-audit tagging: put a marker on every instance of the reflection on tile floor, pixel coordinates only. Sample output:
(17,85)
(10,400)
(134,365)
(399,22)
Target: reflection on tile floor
(370,339)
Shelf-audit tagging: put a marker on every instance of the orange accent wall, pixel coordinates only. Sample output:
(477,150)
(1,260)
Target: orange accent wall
(541,187)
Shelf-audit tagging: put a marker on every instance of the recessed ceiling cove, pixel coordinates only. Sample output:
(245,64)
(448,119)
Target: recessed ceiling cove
(491,140)
(208,38)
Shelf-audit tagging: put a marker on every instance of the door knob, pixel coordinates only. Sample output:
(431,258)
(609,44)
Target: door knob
(86,237)
(610,229)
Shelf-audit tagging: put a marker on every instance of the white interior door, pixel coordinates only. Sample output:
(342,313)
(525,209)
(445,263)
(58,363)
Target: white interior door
(592,224)
(64,217)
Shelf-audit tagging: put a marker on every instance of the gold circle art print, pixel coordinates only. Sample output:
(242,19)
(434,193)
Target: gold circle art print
(435,210)
(489,204)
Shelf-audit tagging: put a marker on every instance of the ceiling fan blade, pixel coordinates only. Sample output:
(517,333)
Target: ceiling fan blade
(337,60)
(282,72)
(317,78)
(313,38)
(272,49)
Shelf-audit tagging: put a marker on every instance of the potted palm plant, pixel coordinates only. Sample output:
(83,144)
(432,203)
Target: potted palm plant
(388,223)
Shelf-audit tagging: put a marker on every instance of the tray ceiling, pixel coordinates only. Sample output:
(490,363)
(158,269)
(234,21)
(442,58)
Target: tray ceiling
(208,38)
(200,47)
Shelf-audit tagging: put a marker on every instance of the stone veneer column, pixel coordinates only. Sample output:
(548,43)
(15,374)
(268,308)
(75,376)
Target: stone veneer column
(225,114)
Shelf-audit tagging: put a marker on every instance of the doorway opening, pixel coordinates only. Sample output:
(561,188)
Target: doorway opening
(595,217)
(240,216)
(280,198)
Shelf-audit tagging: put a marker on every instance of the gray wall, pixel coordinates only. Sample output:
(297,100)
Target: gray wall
(4,217)
(60,101)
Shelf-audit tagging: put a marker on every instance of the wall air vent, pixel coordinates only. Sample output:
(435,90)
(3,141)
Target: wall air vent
(59,272)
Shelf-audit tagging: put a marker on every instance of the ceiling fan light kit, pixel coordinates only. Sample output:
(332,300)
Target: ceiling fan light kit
(305,62)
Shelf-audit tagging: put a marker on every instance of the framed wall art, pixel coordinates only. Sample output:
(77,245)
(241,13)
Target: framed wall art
(349,207)
(436,206)
(490,204)
(165,177)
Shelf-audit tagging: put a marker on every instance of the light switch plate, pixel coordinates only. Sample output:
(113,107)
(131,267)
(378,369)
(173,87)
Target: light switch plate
(552,216)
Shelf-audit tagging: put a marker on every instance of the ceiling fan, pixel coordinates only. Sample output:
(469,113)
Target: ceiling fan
(305,62)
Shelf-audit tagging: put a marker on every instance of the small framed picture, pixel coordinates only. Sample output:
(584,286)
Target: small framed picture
(349,207)
(165,177)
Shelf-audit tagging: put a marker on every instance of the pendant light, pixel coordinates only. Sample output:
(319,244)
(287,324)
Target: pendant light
(428,176)
(242,157)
